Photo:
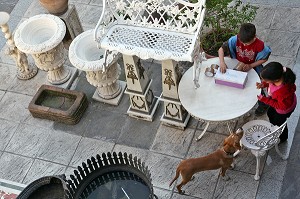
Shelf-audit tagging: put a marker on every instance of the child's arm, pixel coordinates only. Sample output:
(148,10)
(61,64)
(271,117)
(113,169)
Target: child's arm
(248,67)
(228,48)
(282,104)
(223,65)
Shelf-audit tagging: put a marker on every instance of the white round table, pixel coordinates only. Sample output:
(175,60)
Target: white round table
(213,102)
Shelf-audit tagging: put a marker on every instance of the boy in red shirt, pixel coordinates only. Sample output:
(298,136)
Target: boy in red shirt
(248,49)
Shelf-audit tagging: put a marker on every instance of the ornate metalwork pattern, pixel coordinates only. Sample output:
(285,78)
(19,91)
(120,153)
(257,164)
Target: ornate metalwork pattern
(254,129)
(271,138)
(157,29)
(172,110)
(168,79)
(131,74)
(163,14)
(136,100)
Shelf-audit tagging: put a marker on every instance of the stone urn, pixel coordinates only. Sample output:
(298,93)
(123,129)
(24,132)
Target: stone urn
(56,7)
(102,69)
(41,36)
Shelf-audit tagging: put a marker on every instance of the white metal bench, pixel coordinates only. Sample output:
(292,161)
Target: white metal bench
(157,29)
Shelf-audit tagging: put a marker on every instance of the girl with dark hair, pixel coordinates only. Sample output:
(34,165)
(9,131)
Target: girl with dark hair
(280,83)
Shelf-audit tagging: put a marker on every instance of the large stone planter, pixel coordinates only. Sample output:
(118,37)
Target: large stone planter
(101,72)
(41,36)
(56,7)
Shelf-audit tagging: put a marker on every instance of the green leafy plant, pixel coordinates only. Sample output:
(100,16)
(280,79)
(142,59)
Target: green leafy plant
(224,18)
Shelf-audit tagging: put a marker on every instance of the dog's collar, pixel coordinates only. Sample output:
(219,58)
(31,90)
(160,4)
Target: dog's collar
(227,153)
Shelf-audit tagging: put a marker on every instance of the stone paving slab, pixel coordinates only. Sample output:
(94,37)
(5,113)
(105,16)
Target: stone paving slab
(59,148)
(202,186)
(162,168)
(14,167)
(7,130)
(38,122)
(13,106)
(138,133)
(162,193)
(28,140)
(289,3)
(289,45)
(111,125)
(7,75)
(284,19)
(87,148)
(41,168)
(240,185)
(178,141)
(268,189)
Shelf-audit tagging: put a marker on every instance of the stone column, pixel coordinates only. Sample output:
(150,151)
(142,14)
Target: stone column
(25,70)
(143,104)
(174,113)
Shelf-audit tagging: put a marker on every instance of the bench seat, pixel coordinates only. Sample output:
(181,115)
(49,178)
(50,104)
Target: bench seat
(149,43)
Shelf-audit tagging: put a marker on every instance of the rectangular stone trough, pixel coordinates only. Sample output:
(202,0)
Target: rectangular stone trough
(58,104)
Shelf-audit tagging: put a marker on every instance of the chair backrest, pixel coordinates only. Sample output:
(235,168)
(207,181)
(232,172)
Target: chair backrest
(171,15)
(272,138)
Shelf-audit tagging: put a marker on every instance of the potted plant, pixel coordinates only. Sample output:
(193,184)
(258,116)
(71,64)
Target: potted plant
(223,19)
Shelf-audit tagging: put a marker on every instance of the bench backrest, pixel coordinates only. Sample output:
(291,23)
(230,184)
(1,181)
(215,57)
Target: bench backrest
(171,15)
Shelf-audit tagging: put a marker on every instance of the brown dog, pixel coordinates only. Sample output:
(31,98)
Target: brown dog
(221,158)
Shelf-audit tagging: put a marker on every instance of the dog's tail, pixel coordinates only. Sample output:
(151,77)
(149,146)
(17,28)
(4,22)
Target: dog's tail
(175,178)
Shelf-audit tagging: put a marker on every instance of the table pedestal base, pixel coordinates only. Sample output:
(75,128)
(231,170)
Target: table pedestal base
(207,125)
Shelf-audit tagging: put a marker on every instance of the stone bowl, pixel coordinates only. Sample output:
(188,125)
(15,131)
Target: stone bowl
(39,33)
(85,54)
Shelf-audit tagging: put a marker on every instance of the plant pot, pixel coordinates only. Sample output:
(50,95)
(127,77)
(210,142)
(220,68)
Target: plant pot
(213,40)
(56,7)
(85,55)
(41,36)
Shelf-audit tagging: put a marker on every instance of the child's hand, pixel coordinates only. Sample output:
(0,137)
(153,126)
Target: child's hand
(223,67)
(259,85)
(259,97)
(247,67)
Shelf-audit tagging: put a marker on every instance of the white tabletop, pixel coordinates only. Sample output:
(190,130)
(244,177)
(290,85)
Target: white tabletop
(214,102)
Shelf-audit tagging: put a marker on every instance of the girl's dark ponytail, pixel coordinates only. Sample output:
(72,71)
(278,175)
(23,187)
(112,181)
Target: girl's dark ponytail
(289,76)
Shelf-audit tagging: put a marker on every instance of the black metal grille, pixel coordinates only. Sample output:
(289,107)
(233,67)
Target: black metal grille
(108,168)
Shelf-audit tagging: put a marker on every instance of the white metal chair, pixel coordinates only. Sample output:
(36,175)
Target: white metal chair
(260,136)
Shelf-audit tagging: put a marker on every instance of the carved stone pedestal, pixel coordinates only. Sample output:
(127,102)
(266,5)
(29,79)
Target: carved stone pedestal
(174,113)
(102,70)
(143,103)
(41,36)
